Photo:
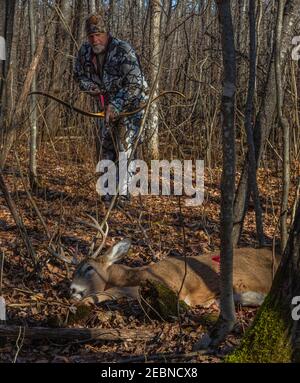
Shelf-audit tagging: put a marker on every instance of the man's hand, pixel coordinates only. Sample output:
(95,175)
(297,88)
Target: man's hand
(95,91)
(111,114)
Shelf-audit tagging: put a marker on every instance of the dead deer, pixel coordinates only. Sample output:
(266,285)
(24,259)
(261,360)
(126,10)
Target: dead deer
(101,278)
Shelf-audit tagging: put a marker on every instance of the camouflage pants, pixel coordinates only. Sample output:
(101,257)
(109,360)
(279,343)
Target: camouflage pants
(117,137)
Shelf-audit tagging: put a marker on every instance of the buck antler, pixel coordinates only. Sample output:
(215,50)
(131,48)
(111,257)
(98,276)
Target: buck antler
(95,225)
(61,255)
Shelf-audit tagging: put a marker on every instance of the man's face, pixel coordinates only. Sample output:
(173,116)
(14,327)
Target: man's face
(98,42)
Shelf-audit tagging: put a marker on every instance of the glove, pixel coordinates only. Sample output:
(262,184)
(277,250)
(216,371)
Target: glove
(111,113)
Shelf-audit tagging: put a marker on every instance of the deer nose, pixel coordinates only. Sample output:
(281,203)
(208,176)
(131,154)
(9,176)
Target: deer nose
(76,293)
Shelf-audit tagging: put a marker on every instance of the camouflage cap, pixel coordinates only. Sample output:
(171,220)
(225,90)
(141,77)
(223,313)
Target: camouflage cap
(96,23)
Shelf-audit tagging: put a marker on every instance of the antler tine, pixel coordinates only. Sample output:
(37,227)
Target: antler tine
(96,224)
(60,256)
(104,235)
(98,227)
(88,224)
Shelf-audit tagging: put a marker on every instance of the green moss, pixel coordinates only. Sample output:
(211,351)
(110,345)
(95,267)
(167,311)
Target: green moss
(266,341)
(208,319)
(159,301)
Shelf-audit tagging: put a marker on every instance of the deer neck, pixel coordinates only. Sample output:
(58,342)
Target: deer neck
(121,275)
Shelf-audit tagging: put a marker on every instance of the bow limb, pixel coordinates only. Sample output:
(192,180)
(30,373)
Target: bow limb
(102,114)
(142,107)
(69,106)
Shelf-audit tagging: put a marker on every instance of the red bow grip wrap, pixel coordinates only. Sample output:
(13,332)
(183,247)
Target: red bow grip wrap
(101,99)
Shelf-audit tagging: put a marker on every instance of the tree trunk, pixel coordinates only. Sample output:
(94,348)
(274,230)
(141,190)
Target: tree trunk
(249,128)
(59,59)
(7,14)
(14,118)
(92,6)
(227,316)
(111,15)
(2,37)
(152,124)
(33,116)
(275,333)
(285,129)
(265,117)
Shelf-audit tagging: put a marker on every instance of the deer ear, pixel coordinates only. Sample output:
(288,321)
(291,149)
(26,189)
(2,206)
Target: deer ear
(115,253)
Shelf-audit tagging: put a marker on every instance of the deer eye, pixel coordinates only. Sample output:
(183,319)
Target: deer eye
(89,269)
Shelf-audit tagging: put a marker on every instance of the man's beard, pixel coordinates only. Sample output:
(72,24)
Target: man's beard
(98,49)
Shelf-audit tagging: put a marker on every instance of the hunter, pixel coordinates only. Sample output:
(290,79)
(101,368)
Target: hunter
(108,69)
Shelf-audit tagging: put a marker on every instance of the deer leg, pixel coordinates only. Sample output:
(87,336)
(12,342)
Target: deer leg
(112,294)
(249,298)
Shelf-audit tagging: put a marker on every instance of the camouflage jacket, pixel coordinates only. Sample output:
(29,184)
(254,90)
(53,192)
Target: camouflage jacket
(121,82)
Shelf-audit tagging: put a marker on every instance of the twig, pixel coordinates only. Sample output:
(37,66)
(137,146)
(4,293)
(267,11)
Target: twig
(31,200)
(18,220)
(19,345)
(140,299)
(274,150)
(295,201)
(143,231)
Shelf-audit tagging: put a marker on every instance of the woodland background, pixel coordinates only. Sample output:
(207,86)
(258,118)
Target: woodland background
(44,144)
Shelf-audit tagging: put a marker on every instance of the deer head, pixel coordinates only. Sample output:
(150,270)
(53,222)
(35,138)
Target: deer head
(92,275)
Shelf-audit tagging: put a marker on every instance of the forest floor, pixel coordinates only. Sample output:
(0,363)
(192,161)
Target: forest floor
(171,228)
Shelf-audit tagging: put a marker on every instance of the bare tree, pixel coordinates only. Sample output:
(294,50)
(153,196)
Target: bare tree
(227,316)
(7,17)
(265,116)
(33,119)
(152,125)
(58,56)
(2,32)
(7,14)
(92,6)
(284,126)
(249,127)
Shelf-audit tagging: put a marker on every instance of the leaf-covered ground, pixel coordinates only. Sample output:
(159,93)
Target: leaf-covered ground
(158,226)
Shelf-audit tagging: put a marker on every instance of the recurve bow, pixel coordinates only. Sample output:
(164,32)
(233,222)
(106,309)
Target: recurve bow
(102,114)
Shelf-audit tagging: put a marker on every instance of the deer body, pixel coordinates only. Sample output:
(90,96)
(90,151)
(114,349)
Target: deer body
(103,279)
